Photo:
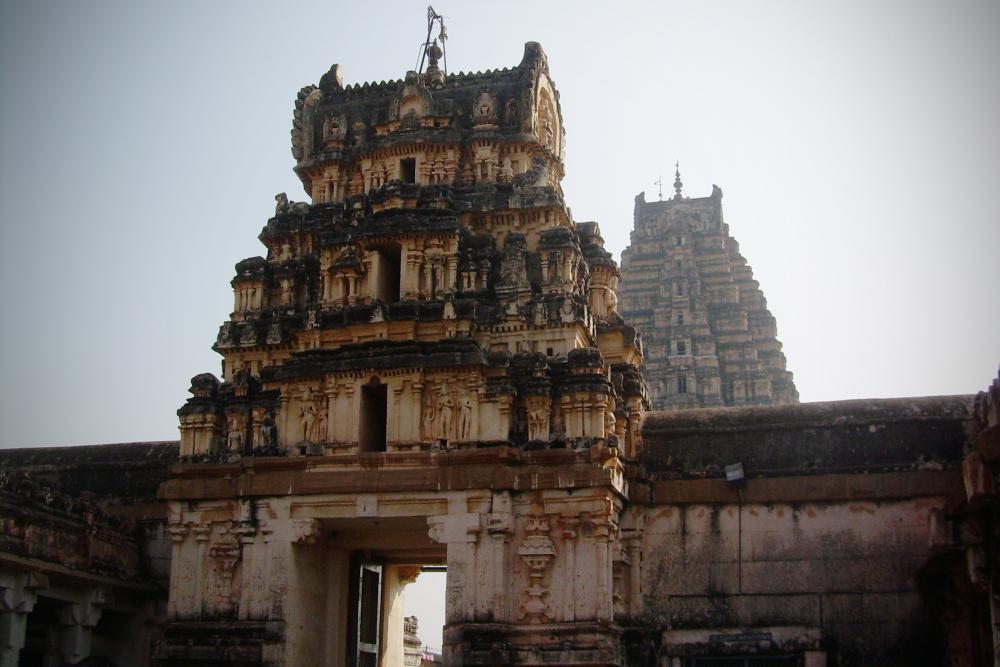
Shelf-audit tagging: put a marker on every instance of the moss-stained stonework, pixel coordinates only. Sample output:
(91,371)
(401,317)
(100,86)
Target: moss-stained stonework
(437,265)
(709,338)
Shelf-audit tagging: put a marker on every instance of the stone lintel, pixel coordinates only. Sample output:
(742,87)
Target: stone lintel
(499,469)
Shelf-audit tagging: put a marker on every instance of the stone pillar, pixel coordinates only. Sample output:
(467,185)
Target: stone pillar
(352,288)
(500,528)
(415,431)
(451,274)
(77,621)
(17,600)
(285,405)
(393,433)
(460,531)
(330,395)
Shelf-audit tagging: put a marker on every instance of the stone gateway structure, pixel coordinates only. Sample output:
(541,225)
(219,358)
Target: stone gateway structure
(428,370)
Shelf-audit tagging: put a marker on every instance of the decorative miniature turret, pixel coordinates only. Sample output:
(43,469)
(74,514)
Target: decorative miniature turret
(709,337)
(433,293)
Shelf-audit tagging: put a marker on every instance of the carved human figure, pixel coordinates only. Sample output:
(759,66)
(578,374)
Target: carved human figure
(269,431)
(429,416)
(555,267)
(465,419)
(609,423)
(538,418)
(513,272)
(280,203)
(319,434)
(307,414)
(566,313)
(445,407)
(234,441)
(540,314)
(611,301)
(511,113)
(506,171)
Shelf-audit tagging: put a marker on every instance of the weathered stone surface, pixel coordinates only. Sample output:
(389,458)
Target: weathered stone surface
(429,368)
(709,337)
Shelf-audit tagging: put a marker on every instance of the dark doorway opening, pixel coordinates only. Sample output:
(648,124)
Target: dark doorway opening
(387,278)
(408,170)
(374,416)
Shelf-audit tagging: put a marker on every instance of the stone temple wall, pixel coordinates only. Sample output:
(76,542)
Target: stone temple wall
(84,553)
(819,550)
(847,542)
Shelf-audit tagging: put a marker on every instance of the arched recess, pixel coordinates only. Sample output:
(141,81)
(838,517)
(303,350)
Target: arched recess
(412,100)
(548,123)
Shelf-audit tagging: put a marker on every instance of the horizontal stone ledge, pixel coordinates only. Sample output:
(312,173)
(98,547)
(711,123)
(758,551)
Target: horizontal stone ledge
(811,488)
(221,482)
(61,574)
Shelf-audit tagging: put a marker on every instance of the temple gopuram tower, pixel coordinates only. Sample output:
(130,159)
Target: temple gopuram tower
(427,368)
(708,335)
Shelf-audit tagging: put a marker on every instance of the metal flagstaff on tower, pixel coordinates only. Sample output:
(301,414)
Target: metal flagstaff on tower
(659,183)
(430,47)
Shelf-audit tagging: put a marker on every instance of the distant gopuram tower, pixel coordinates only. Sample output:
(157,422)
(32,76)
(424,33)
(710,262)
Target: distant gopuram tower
(709,339)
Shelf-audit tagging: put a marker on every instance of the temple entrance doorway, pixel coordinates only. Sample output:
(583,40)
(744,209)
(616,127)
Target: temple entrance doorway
(361,572)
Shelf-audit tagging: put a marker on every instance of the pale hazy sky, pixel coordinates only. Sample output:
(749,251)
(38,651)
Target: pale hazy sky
(142,143)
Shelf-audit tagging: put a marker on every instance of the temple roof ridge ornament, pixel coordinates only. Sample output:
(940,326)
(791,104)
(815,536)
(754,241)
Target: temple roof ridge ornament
(678,185)
(434,77)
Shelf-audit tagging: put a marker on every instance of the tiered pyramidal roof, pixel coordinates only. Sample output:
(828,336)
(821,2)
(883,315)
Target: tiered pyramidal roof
(708,335)
(434,292)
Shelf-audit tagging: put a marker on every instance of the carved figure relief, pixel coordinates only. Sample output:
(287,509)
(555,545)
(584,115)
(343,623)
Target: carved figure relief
(445,405)
(538,418)
(486,162)
(609,423)
(484,111)
(334,128)
(465,419)
(513,271)
(539,313)
(280,203)
(446,414)
(506,171)
(511,116)
(274,332)
(567,312)
(428,415)
(546,123)
(309,418)
(265,431)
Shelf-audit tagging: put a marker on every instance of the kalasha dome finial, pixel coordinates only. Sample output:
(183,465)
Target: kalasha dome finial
(677,181)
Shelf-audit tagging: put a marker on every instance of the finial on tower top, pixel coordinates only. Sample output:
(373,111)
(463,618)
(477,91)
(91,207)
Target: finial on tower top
(430,50)
(677,181)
